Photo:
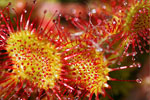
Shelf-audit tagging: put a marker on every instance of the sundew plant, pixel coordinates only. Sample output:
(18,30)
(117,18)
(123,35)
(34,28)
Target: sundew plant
(70,57)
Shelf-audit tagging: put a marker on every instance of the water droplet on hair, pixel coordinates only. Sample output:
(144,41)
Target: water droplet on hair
(133,54)
(93,11)
(76,19)
(51,31)
(127,54)
(21,98)
(99,49)
(120,11)
(140,11)
(25,11)
(62,28)
(30,90)
(60,15)
(114,22)
(139,80)
(125,3)
(141,52)
(37,98)
(133,58)
(139,65)
(73,11)
(104,7)
(54,21)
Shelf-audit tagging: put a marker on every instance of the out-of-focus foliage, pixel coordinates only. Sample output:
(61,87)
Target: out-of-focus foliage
(3,3)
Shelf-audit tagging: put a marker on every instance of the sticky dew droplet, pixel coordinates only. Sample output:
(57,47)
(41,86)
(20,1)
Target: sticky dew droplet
(139,80)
